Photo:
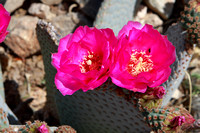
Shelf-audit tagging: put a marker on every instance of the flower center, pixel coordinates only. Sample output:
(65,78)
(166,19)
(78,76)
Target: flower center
(139,62)
(90,62)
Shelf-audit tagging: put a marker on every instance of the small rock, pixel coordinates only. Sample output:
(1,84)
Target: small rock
(63,24)
(41,10)
(151,19)
(196,53)
(39,101)
(4,59)
(66,23)
(12,5)
(162,7)
(51,2)
(177,94)
(194,63)
(35,68)
(14,71)
(22,38)
(20,12)
(82,3)
(154,20)
(141,12)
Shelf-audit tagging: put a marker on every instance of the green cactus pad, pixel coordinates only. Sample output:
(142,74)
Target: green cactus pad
(93,111)
(115,14)
(190,20)
(32,127)
(3,120)
(160,119)
(65,129)
(177,37)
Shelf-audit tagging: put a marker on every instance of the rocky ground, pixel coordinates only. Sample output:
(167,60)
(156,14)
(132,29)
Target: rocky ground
(22,64)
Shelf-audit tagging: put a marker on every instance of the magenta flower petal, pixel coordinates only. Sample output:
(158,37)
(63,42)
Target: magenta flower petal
(67,84)
(159,92)
(83,59)
(177,121)
(43,129)
(142,58)
(5,19)
(56,59)
(130,25)
(162,76)
(64,43)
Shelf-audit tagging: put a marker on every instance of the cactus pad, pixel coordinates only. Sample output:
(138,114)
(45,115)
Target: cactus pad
(32,127)
(108,108)
(177,36)
(65,129)
(115,14)
(190,20)
(3,120)
(93,111)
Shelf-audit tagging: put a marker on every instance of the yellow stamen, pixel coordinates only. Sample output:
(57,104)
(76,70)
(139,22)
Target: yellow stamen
(90,62)
(139,62)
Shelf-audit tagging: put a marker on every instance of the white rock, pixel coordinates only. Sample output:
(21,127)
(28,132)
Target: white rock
(64,24)
(142,11)
(41,10)
(162,7)
(12,5)
(151,19)
(177,94)
(22,38)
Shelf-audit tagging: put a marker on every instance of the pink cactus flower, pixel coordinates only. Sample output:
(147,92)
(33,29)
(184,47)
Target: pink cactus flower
(154,93)
(43,129)
(83,59)
(142,58)
(177,121)
(159,92)
(4,21)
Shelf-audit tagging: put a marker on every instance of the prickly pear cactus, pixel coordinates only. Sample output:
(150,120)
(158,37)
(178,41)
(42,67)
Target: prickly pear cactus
(87,107)
(93,111)
(108,108)
(3,120)
(161,119)
(177,36)
(190,20)
(1,84)
(65,129)
(37,127)
(115,14)
(10,115)
(156,118)
(191,14)
(33,127)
